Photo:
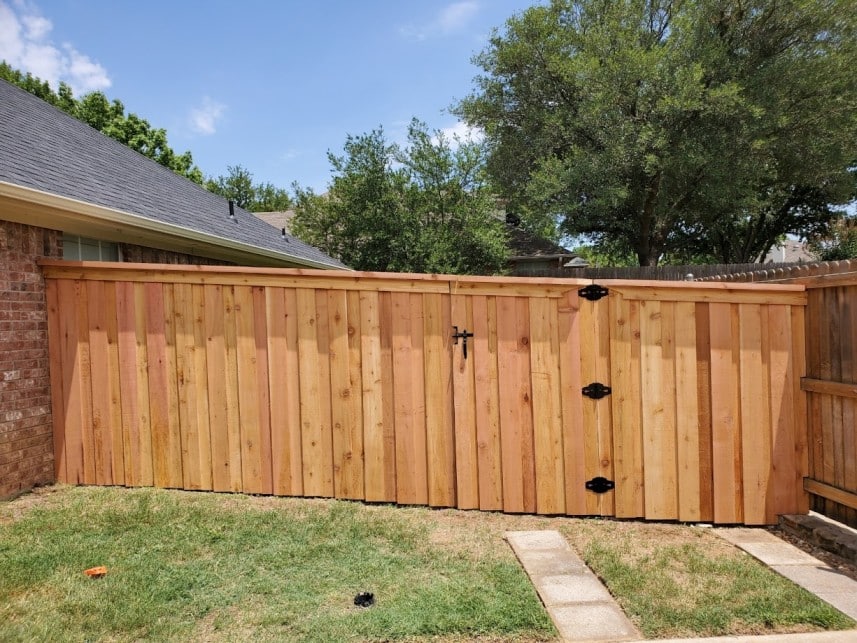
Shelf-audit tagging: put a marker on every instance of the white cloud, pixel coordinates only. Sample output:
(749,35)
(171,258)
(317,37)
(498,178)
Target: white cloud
(25,44)
(203,119)
(456,16)
(453,18)
(462,132)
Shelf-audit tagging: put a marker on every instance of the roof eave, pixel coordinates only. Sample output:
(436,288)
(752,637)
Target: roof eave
(47,210)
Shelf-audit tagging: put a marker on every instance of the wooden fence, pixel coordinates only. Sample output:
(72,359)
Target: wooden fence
(353,385)
(830,382)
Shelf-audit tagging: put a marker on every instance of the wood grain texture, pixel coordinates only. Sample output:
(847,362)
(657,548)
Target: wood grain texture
(687,413)
(464,386)
(440,429)
(572,403)
(485,364)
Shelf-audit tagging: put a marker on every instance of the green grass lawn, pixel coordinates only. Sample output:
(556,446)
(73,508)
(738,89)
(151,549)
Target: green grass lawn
(203,566)
(221,567)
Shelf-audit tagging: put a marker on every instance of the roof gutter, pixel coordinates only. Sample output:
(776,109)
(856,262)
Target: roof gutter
(83,211)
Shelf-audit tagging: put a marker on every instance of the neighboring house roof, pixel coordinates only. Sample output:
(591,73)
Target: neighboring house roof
(790,251)
(279,219)
(526,246)
(59,173)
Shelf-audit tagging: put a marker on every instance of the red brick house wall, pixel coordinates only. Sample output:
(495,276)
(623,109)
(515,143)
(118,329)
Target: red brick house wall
(26,439)
(26,442)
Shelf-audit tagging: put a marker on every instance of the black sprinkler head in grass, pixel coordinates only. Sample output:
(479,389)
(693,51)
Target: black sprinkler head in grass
(364,599)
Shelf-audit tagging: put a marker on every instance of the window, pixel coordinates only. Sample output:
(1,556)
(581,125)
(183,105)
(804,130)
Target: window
(76,248)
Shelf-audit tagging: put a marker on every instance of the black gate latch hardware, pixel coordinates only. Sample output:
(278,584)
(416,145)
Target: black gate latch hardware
(596,390)
(463,335)
(600,485)
(593,292)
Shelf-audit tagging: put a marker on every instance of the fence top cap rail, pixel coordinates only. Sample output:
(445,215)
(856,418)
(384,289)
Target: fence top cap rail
(701,285)
(78,269)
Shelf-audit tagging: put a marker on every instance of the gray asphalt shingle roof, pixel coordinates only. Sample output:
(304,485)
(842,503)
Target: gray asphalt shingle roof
(43,148)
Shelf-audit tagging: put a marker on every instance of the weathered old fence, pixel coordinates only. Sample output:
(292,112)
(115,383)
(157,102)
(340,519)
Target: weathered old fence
(442,391)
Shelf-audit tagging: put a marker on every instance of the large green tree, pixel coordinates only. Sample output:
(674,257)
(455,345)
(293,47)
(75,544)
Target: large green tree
(424,208)
(673,128)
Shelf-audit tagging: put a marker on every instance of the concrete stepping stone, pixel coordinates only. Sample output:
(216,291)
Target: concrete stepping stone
(795,564)
(578,603)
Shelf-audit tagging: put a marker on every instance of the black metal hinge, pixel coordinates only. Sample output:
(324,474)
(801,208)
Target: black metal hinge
(600,485)
(596,390)
(593,292)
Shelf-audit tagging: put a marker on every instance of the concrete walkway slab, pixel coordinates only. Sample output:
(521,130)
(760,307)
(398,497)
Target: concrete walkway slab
(578,603)
(807,571)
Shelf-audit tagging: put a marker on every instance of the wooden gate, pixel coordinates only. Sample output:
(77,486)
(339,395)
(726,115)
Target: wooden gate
(442,391)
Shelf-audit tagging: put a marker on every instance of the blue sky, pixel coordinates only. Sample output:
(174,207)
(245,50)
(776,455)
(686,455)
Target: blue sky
(270,85)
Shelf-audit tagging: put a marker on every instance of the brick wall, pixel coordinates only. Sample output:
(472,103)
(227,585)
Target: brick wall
(26,442)
(142,254)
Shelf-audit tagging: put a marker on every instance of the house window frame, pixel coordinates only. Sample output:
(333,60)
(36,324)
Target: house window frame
(79,248)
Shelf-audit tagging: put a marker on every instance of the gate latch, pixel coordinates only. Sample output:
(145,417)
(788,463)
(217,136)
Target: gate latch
(600,485)
(596,390)
(463,335)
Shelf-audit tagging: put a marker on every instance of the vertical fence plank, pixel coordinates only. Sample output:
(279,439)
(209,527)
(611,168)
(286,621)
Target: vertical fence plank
(726,414)
(248,386)
(703,400)
(58,392)
(547,407)
(173,437)
(489,455)
(687,412)
(598,429)
(233,399)
(356,471)
(118,442)
(314,392)
(186,376)
(85,383)
(215,356)
(345,412)
(755,440)
(409,392)
(464,386)
(388,397)
(142,367)
(263,400)
(99,366)
(658,414)
(200,367)
(626,399)
(848,374)
(284,391)
(803,433)
(574,465)
(525,398)
(69,293)
(440,436)
(510,406)
(158,383)
(783,493)
(128,383)
(376,483)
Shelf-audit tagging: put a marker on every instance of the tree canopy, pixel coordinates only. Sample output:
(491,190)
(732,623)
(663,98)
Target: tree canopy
(424,208)
(108,117)
(238,186)
(673,128)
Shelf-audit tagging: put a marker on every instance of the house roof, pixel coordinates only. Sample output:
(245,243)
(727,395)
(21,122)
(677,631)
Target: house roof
(526,246)
(59,173)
